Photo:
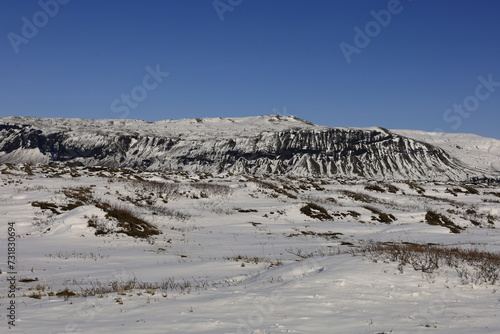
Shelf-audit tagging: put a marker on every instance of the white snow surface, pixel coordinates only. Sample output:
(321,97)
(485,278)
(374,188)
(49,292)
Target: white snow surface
(192,128)
(237,247)
(478,152)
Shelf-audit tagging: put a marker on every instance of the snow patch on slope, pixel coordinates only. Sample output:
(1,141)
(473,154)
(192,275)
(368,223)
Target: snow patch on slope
(481,153)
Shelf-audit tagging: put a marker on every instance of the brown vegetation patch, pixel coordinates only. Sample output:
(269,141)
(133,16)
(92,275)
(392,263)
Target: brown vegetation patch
(316,211)
(434,218)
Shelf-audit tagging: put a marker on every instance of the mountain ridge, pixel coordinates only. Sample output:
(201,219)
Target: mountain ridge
(274,144)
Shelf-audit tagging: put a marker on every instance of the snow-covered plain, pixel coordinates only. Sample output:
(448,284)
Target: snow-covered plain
(236,254)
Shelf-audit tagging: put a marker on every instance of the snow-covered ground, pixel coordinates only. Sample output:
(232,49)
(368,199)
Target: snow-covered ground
(238,254)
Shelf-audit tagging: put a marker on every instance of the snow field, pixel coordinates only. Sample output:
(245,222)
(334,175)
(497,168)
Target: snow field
(232,263)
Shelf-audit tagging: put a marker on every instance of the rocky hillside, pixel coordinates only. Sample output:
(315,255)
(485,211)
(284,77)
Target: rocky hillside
(252,145)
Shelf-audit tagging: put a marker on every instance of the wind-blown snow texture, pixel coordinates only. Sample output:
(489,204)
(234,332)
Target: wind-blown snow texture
(281,145)
(238,254)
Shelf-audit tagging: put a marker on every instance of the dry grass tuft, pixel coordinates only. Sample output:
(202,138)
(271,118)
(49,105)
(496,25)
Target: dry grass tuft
(316,211)
(471,265)
(434,218)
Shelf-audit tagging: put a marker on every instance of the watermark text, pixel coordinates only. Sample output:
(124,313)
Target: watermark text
(11,274)
(152,79)
(460,111)
(223,6)
(363,37)
(30,28)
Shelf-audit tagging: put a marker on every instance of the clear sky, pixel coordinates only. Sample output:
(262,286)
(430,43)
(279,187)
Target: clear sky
(405,64)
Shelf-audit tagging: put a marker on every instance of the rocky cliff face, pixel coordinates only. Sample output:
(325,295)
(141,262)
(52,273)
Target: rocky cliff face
(254,145)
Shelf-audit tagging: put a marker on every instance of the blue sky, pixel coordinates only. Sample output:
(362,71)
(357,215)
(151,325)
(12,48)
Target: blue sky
(422,65)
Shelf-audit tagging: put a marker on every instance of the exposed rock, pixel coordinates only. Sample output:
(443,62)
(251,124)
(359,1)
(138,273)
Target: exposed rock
(253,145)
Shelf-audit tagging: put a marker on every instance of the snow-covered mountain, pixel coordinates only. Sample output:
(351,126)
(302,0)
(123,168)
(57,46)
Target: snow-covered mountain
(254,145)
(482,154)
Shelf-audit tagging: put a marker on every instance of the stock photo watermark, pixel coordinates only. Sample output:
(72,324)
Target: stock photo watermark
(262,311)
(363,37)
(460,111)
(223,6)
(150,81)
(30,28)
(11,274)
